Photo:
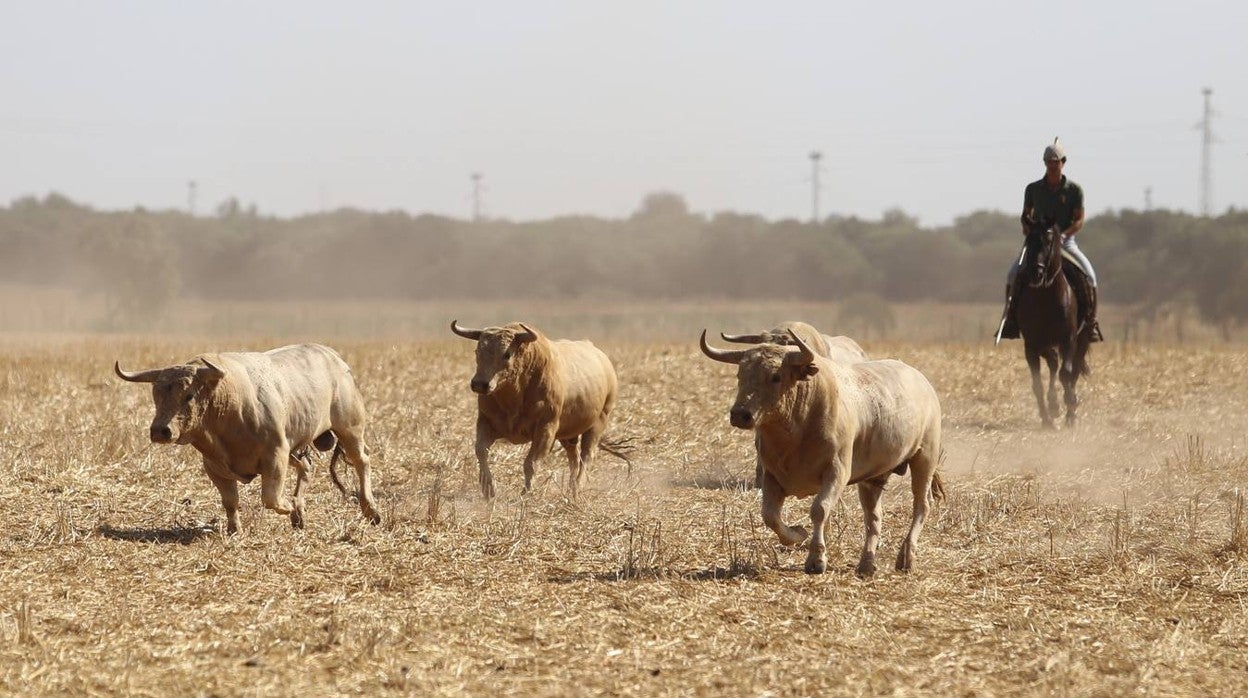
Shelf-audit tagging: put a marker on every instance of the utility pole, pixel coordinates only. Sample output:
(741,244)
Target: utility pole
(1148,198)
(815,157)
(1206,140)
(476,197)
(190,197)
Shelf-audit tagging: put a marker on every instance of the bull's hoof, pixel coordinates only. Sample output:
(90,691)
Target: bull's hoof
(296,518)
(866,568)
(487,487)
(816,565)
(281,506)
(374,518)
(905,560)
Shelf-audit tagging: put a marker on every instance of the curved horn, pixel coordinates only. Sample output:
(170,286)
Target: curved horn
(801,357)
(728,356)
(213,367)
(474,335)
(742,338)
(528,336)
(140,377)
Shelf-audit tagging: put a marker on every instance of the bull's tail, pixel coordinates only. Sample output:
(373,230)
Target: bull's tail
(621,448)
(938,487)
(333,470)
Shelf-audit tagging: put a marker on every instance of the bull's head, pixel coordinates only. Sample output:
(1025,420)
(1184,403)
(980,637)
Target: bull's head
(766,375)
(180,394)
(497,351)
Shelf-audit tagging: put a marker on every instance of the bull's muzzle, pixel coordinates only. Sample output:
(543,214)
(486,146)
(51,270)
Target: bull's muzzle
(161,434)
(741,418)
(479,386)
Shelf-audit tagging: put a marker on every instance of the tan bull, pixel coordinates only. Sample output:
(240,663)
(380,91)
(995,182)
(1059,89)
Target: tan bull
(248,413)
(822,425)
(535,390)
(839,348)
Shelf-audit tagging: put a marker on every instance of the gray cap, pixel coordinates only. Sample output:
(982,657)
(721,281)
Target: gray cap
(1055,151)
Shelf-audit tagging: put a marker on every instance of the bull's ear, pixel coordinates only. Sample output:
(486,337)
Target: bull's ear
(805,372)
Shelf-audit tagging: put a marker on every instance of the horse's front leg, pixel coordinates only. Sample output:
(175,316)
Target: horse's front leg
(1037,386)
(1050,358)
(1070,376)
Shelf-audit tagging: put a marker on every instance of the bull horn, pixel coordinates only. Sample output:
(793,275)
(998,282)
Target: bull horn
(140,377)
(742,338)
(528,336)
(801,357)
(213,367)
(474,335)
(728,356)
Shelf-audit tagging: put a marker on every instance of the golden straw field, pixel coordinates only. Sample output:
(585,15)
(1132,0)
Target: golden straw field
(1106,560)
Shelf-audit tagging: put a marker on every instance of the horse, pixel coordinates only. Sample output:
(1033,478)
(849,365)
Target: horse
(1048,320)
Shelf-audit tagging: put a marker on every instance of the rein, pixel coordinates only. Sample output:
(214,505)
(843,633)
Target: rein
(1049,275)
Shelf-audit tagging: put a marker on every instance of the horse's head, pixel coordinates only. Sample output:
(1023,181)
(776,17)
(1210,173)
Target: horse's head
(1044,253)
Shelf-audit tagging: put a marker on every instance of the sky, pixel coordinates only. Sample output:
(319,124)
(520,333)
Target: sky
(584,107)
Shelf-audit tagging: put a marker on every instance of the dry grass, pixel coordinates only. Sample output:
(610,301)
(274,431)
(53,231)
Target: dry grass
(1106,560)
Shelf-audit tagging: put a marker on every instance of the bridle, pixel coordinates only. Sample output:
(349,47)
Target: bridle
(1048,272)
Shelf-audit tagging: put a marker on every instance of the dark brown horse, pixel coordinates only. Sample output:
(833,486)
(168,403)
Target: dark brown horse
(1048,319)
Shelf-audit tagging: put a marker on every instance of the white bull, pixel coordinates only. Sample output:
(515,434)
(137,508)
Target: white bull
(247,413)
(823,424)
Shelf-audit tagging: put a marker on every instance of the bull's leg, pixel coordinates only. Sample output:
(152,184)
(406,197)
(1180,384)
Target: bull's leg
(773,504)
(1037,387)
(356,453)
(273,479)
(301,485)
(758,463)
(543,440)
(869,492)
(576,466)
(922,469)
(834,479)
(589,443)
(485,439)
(229,498)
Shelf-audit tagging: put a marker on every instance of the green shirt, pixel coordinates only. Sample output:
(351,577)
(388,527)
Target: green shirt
(1058,204)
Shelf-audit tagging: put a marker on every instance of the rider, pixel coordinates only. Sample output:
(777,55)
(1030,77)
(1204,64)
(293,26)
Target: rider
(1054,197)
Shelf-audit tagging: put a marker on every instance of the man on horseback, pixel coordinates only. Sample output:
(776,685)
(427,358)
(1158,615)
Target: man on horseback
(1055,197)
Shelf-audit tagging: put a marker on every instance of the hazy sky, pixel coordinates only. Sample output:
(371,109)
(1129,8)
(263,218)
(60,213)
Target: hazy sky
(939,108)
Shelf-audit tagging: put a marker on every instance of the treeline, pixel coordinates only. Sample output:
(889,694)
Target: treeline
(1155,261)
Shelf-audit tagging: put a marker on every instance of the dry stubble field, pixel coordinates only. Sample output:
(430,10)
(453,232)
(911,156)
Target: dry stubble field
(1106,560)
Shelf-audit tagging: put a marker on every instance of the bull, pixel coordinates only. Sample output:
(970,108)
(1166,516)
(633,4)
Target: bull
(249,414)
(822,425)
(535,390)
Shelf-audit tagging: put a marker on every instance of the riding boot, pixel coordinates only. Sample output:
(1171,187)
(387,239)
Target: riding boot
(1091,326)
(1009,330)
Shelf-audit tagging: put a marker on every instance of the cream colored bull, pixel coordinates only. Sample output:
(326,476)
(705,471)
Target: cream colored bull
(535,390)
(247,413)
(822,425)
